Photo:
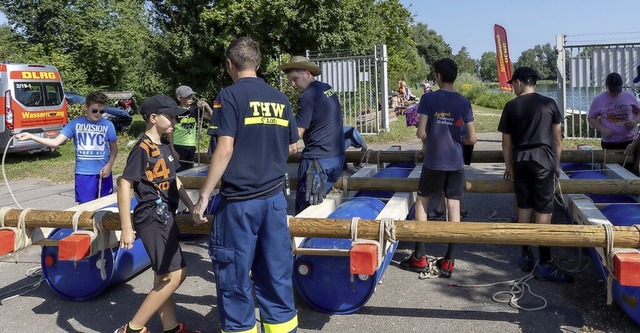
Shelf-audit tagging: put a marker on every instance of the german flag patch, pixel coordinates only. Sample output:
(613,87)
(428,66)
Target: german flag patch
(217,104)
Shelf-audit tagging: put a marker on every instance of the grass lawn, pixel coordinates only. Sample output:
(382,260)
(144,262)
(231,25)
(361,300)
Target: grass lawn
(58,166)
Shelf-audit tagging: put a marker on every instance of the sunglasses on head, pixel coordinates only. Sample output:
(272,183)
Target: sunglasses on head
(96,111)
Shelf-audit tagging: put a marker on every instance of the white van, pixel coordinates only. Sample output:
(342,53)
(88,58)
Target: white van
(32,100)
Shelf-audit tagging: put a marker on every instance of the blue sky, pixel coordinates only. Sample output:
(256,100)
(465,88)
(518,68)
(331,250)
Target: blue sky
(528,23)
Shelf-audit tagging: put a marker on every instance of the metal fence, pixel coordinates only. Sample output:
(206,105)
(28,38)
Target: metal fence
(361,85)
(582,71)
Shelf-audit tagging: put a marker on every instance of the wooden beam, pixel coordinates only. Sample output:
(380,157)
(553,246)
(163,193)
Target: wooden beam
(471,232)
(478,185)
(456,232)
(479,156)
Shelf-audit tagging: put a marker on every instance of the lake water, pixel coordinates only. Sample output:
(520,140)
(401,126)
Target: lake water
(577,98)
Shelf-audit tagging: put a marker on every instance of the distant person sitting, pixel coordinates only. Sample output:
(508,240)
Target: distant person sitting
(426,87)
(410,95)
(615,114)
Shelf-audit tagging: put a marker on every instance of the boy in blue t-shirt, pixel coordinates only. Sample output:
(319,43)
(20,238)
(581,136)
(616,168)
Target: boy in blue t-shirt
(96,146)
(443,114)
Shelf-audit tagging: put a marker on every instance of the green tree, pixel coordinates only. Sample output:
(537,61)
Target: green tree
(197,33)
(542,58)
(96,44)
(464,61)
(489,67)
(430,45)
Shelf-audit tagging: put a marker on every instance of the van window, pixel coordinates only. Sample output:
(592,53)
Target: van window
(34,94)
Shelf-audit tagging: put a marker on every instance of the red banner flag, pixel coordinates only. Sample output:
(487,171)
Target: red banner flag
(502,57)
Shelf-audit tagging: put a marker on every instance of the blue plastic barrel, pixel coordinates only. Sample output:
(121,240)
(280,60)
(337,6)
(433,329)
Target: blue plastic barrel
(625,296)
(570,168)
(326,286)
(324,282)
(622,214)
(81,280)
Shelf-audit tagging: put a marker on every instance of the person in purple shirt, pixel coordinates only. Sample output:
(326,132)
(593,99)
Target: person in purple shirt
(615,114)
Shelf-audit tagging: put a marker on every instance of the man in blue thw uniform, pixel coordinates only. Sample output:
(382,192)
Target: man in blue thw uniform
(256,132)
(319,120)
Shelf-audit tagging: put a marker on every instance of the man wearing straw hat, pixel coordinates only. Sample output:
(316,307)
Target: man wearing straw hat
(319,120)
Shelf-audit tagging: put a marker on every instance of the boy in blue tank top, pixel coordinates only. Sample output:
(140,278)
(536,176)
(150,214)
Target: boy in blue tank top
(95,139)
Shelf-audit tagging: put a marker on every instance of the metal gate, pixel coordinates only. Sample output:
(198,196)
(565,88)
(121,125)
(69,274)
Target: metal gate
(582,70)
(361,85)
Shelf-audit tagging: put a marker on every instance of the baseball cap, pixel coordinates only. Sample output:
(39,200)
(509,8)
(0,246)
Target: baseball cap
(614,83)
(525,74)
(184,91)
(160,104)
(637,79)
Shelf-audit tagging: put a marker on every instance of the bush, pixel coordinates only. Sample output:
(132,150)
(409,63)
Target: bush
(471,87)
(493,99)
(75,111)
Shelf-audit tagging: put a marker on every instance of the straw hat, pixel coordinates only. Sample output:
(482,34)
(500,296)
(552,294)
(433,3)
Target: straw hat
(300,62)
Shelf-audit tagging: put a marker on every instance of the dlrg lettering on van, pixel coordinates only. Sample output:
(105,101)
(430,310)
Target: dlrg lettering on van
(31,100)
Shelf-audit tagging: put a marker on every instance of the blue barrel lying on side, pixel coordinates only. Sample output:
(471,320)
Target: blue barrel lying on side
(81,280)
(324,282)
(620,213)
(626,296)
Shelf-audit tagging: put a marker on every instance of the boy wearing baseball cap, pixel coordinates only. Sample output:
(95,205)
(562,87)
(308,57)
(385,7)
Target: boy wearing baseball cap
(151,171)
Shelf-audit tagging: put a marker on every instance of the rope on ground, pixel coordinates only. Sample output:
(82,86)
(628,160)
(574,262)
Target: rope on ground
(518,289)
(35,272)
(432,269)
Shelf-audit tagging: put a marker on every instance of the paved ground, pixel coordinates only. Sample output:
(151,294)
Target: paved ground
(401,303)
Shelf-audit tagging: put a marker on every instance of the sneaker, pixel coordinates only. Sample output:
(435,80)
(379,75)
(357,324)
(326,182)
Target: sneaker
(436,215)
(463,215)
(181,329)
(526,262)
(550,272)
(445,266)
(124,329)
(415,265)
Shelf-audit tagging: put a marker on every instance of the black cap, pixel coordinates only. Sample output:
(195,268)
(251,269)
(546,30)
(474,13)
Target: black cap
(524,74)
(160,104)
(637,79)
(614,83)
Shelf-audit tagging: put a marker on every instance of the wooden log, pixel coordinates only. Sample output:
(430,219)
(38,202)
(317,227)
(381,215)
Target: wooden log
(471,232)
(478,185)
(456,232)
(110,221)
(479,156)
